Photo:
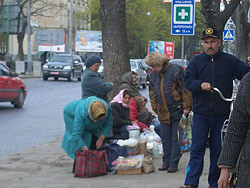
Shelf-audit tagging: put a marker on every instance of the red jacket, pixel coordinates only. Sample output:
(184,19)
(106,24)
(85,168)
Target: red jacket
(133,114)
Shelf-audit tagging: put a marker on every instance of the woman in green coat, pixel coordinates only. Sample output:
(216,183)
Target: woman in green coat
(87,123)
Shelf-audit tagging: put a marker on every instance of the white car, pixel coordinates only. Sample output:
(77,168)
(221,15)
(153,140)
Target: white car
(136,66)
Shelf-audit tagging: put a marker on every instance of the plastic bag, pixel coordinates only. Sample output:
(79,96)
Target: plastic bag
(151,135)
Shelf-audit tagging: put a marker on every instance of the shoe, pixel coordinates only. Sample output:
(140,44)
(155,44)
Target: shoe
(189,186)
(164,167)
(172,169)
(211,187)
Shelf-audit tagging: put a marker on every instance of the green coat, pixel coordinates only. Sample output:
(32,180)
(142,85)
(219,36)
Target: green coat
(94,85)
(79,128)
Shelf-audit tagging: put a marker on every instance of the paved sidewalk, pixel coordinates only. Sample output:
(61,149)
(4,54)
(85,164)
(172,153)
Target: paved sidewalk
(47,166)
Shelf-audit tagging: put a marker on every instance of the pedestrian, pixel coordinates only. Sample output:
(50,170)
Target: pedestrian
(129,82)
(120,112)
(237,140)
(87,122)
(169,101)
(212,68)
(92,82)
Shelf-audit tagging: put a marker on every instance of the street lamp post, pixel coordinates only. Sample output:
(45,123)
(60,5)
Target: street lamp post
(29,60)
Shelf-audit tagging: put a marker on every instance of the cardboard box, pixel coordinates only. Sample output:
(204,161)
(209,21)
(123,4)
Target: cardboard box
(143,148)
(133,171)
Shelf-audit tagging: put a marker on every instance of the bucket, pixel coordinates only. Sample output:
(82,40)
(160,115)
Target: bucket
(135,134)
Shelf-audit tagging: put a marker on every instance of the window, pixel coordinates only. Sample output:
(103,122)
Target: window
(4,71)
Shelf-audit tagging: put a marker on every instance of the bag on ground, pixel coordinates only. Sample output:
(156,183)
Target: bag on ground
(90,163)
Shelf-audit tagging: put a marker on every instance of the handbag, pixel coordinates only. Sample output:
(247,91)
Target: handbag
(90,163)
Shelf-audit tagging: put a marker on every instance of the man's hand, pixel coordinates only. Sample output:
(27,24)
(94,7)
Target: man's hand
(206,86)
(99,142)
(223,180)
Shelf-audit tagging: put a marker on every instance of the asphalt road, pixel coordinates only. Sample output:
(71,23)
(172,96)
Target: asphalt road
(41,118)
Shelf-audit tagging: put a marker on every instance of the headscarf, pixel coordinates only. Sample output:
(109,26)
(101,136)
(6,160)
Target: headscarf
(97,109)
(139,101)
(119,98)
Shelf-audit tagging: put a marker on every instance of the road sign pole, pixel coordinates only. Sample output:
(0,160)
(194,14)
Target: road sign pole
(182,49)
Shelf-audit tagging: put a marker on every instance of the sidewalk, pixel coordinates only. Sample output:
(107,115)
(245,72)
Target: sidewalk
(47,166)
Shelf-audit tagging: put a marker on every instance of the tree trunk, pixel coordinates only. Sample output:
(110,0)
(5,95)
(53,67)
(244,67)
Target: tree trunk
(215,18)
(240,18)
(114,40)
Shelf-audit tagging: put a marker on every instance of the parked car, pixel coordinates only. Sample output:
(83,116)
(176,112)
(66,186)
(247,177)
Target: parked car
(12,88)
(136,66)
(64,66)
(183,63)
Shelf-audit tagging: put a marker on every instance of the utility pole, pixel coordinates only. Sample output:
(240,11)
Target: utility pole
(70,25)
(29,38)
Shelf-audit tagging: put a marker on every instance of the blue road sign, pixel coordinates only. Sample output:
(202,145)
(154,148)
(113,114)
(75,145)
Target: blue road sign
(228,34)
(183,17)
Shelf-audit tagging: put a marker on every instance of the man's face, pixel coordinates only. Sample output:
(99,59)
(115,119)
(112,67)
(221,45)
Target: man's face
(211,45)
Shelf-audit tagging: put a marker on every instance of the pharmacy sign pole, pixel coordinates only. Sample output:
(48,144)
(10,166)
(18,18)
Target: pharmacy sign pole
(183,19)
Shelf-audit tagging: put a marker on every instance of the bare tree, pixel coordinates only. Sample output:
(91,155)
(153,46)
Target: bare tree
(240,18)
(114,39)
(217,19)
(43,8)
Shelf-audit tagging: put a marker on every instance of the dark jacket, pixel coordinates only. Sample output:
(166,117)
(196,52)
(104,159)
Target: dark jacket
(120,117)
(219,71)
(237,138)
(127,84)
(94,85)
(167,95)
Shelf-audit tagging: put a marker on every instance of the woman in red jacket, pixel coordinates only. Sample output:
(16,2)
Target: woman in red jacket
(137,106)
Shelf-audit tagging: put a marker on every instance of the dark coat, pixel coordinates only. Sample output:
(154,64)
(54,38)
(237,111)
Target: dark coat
(167,95)
(120,117)
(94,85)
(219,71)
(237,138)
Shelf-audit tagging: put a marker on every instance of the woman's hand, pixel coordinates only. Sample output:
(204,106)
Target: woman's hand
(223,180)
(186,112)
(85,148)
(99,142)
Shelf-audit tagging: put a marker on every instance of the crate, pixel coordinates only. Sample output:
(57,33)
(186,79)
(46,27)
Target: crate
(133,171)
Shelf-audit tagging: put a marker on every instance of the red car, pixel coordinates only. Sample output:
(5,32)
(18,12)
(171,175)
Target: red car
(12,88)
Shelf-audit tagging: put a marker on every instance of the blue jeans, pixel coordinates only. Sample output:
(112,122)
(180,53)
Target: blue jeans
(202,124)
(171,149)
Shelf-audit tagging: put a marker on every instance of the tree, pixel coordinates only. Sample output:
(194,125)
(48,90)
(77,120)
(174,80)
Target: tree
(211,11)
(114,39)
(44,8)
(240,18)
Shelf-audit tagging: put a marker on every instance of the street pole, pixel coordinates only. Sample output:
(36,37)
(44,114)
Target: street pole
(29,38)
(182,49)
(70,25)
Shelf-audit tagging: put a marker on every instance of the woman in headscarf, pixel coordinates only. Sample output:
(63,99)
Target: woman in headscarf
(87,123)
(139,113)
(120,111)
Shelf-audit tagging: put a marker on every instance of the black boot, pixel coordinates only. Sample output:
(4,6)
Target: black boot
(164,167)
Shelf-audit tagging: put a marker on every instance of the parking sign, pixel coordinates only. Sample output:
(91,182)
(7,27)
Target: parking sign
(183,17)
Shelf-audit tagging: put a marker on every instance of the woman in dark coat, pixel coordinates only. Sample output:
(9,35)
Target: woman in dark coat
(92,82)
(237,140)
(120,112)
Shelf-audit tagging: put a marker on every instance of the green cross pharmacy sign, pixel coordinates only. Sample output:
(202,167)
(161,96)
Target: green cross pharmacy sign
(183,17)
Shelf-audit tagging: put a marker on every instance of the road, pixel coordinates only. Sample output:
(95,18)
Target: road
(41,118)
